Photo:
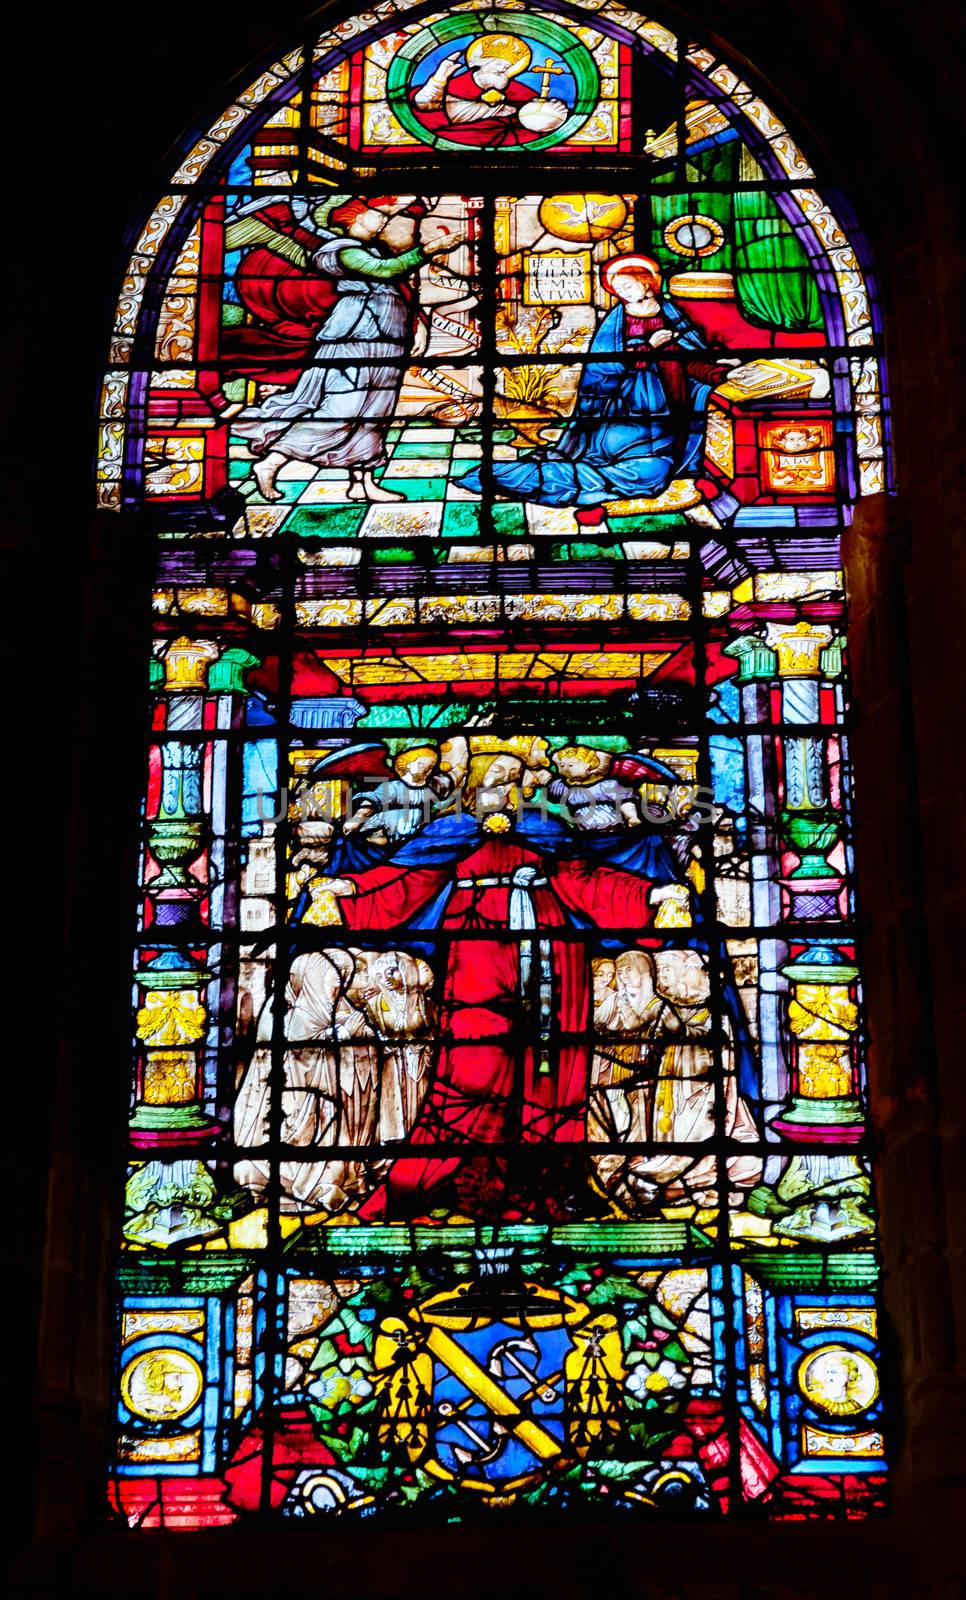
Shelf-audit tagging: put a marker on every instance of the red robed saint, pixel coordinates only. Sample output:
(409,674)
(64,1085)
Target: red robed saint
(489,1087)
(486,130)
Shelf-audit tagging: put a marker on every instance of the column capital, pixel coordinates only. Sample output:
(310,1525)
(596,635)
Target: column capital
(799,646)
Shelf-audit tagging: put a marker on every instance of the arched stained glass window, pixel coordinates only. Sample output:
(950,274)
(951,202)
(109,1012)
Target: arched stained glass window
(494,383)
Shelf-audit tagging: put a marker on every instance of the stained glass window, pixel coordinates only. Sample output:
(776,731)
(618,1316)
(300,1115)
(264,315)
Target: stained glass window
(494,384)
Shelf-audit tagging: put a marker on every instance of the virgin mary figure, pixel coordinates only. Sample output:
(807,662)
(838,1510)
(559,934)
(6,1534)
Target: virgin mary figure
(639,418)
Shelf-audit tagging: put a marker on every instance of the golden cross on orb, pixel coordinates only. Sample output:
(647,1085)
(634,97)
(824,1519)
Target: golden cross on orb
(545,72)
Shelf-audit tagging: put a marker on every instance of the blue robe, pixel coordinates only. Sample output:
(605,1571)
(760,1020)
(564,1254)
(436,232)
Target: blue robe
(625,438)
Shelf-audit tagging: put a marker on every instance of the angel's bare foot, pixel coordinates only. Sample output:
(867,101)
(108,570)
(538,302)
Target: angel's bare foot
(356,489)
(375,491)
(265,474)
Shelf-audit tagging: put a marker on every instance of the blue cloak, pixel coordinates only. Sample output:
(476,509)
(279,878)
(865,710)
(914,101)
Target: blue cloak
(624,440)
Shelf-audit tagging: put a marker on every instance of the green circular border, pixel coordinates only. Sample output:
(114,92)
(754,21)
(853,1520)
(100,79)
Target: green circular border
(578,58)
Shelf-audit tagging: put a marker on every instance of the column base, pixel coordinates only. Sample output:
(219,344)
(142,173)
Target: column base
(831,1121)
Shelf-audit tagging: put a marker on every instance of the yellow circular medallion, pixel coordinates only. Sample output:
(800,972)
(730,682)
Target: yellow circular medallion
(583,217)
(838,1380)
(161,1385)
(694,235)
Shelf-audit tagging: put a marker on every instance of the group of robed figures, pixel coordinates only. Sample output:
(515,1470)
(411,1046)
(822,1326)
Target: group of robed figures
(559,1023)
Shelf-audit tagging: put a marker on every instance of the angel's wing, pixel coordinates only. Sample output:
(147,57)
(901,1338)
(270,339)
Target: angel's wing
(245,232)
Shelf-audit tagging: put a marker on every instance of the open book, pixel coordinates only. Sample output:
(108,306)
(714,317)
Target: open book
(792,380)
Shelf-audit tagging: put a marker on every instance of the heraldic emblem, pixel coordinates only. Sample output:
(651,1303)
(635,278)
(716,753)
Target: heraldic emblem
(492,1382)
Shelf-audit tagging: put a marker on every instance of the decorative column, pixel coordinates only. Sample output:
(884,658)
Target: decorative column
(171,1025)
(227,674)
(179,831)
(816,1194)
(172,1195)
(810,823)
(757,668)
(173,1192)
(226,681)
(325,712)
(823,1195)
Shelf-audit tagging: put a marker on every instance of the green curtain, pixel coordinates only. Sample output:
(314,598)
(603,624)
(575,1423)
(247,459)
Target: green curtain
(773,279)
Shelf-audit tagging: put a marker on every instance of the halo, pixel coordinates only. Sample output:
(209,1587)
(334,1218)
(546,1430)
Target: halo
(506,47)
(642,266)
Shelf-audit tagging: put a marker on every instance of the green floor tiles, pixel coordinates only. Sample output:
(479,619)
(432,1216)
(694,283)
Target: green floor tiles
(423,449)
(461,520)
(509,521)
(325,522)
(646,523)
(583,550)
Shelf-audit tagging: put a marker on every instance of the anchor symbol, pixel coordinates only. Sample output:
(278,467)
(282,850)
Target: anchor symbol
(486,1450)
(504,1355)
(502,1361)
(505,1415)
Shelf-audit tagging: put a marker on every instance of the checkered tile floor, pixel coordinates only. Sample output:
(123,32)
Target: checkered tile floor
(425,465)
